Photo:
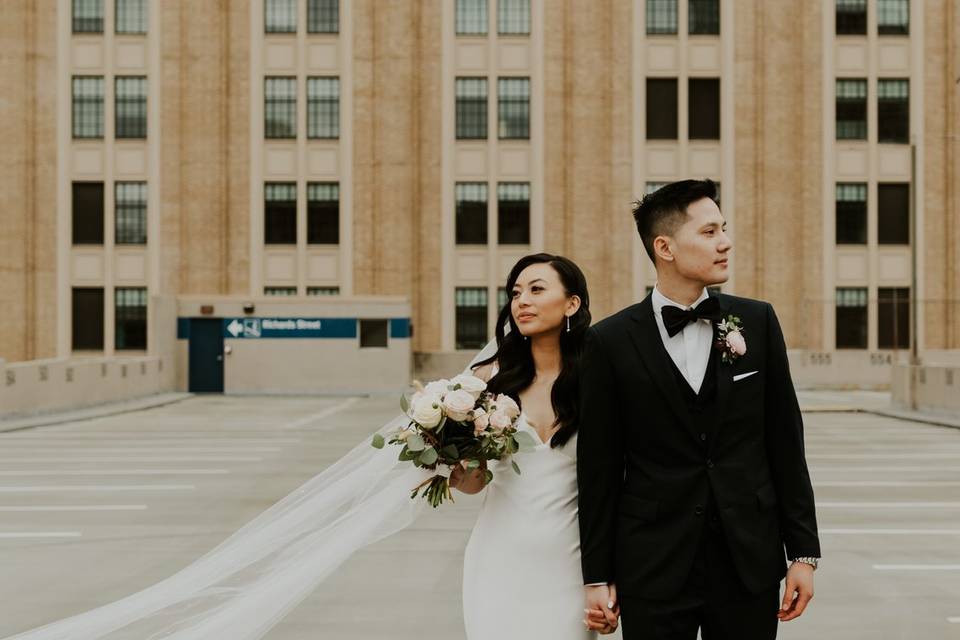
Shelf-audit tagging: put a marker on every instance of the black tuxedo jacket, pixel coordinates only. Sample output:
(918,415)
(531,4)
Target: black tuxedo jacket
(647,465)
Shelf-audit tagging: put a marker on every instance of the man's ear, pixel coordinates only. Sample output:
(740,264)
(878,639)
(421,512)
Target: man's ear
(662,249)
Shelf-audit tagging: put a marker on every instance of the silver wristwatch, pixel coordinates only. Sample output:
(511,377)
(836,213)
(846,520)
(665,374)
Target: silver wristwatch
(813,562)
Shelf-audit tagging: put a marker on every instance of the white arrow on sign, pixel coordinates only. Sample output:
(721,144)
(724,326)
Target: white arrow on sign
(235,328)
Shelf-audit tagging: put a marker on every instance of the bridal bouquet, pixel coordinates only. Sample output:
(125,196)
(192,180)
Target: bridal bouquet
(456,422)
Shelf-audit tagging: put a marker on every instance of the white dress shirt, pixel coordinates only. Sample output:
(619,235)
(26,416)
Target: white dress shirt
(689,349)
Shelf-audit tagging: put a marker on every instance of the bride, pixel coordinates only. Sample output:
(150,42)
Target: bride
(522,577)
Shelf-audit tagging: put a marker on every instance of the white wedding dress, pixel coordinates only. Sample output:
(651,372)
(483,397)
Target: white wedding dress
(521,570)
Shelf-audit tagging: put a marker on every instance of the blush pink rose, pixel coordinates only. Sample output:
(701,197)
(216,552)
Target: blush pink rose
(736,343)
(480,421)
(500,420)
(507,404)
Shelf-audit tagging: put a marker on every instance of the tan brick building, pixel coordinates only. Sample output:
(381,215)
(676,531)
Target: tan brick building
(246,148)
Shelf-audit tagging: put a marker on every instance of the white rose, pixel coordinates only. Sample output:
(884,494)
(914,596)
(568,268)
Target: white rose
(427,412)
(471,384)
(437,388)
(500,420)
(458,404)
(507,404)
(480,421)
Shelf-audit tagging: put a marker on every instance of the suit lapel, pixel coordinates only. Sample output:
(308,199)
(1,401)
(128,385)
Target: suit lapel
(724,376)
(646,338)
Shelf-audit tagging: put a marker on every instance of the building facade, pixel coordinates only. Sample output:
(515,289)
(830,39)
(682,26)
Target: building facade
(250,148)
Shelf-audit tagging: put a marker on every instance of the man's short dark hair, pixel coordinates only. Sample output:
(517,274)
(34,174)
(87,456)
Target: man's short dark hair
(662,212)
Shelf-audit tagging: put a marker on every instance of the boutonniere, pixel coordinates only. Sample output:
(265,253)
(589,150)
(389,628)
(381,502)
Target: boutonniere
(730,340)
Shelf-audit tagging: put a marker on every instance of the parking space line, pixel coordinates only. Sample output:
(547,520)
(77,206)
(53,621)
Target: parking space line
(917,567)
(144,442)
(955,620)
(313,417)
(69,507)
(114,472)
(893,532)
(136,459)
(888,505)
(883,456)
(147,449)
(887,483)
(99,487)
(42,534)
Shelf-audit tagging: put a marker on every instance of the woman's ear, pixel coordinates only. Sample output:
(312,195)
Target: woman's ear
(573,304)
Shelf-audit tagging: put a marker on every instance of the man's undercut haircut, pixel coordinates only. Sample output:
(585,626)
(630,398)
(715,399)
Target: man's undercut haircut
(664,211)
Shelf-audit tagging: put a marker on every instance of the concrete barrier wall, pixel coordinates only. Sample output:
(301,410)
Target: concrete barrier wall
(40,386)
(937,388)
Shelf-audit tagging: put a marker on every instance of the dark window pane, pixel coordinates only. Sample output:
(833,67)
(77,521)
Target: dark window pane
(131,212)
(661,108)
(373,333)
(513,108)
(131,16)
(704,18)
(471,18)
(323,16)
(852,17)
(471,108)
(280,16)
(279,291)
(323,108)
(502,298)
(280,108)
(851,318)
(893,318)
(513,17)
(851,213)
(893,110)
(661,17)
(87,213)
(893,17)
(131,107)
(88,16)
(323,291)
(131,318)
(471,317)
(893,213)
(323,213)
(704,111)
(471,199)
(87,321)
(280,213)
(88,106)
(513,213)
(851,109)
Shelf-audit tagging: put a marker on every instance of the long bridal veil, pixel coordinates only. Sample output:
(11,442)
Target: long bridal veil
(248,583)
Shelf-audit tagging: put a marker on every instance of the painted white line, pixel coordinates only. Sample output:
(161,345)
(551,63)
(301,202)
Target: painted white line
(100,487)
(889,505)
(917,567)
(144,442)
(43,449)
(886,483)
(135,459)
(844,467)
(313,417)
(115,472)
(42,534)
(68,507)
(892,532)
(884,456)
(955,620)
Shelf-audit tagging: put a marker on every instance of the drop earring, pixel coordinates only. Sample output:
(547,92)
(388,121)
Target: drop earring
(568,324)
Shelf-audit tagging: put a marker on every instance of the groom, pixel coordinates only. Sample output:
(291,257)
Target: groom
(694,489)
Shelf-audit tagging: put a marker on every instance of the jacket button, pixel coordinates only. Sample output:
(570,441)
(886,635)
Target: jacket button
(698,510)
(703,437)
(709,464)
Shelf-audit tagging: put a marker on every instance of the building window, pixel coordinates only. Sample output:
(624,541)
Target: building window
(280,291)
(280,213)
(851,318)
(280,16)
(131,212)
(471,108)
(87,213)
(471,198)
(513,213)
(280,108)
(323,291)
(851,213)
(661,108)
(373,333)
(893,110)
(88,16)
(653,186)
(661,17)
(131,16)
(893,318)
(513,17)
(851,109)
(131,107)
(513,108)
(893,213)
(471,317)
(704,18)
(893,17)
(323,16)
(323,108)
(87,318)
(852,17)
(130,318)
(703,114)
(88,106)
(471,17)
(502,298)
(323,213)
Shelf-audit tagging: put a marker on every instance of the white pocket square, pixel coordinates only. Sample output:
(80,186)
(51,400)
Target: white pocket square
(743,375)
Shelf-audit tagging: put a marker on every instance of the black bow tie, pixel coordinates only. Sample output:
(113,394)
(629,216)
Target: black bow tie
(675,318)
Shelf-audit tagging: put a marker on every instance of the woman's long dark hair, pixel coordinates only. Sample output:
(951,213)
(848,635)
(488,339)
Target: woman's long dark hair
(515,360)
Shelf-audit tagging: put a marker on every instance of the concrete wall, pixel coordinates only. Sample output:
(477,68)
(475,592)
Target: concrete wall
(936,388)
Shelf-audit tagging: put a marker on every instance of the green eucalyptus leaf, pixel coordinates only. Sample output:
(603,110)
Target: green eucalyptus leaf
(487,477)
(473,464)
(378,441)
(516,468)
(428,457)
(416,443)
(404,403)
(406,455)
(450,452)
